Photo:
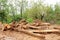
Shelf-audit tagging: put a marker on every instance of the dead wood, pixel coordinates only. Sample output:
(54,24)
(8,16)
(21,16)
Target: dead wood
(57,28)
(30,33)
(46,31)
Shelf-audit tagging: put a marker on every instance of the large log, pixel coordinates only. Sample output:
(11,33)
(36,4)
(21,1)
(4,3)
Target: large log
(30,33)
(36,28)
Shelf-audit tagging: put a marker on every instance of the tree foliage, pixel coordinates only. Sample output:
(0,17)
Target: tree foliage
(38,10)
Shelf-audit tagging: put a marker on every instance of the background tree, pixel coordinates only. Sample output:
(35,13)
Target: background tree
(22,4)
(3,10)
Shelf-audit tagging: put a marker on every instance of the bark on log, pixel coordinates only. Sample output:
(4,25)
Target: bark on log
(57,28)
(46,31)
(30,33)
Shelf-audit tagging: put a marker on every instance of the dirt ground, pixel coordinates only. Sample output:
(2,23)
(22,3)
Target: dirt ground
(13,35)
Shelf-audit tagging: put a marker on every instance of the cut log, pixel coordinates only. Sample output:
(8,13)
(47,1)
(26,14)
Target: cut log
(30,33)
(57,27)
(46,31)
(34,27)
(37,28)
(5,27)
(45,24)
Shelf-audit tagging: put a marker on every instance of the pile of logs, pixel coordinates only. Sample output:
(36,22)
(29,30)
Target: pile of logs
(37,28)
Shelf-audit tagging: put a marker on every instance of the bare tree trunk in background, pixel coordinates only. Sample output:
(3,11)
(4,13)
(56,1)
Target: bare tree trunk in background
(42,16)
(21,9)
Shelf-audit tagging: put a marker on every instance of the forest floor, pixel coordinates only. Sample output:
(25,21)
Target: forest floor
(15,35)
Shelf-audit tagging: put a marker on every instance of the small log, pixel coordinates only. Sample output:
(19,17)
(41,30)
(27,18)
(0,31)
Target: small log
(46,31)
(34,27)
(57,28)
